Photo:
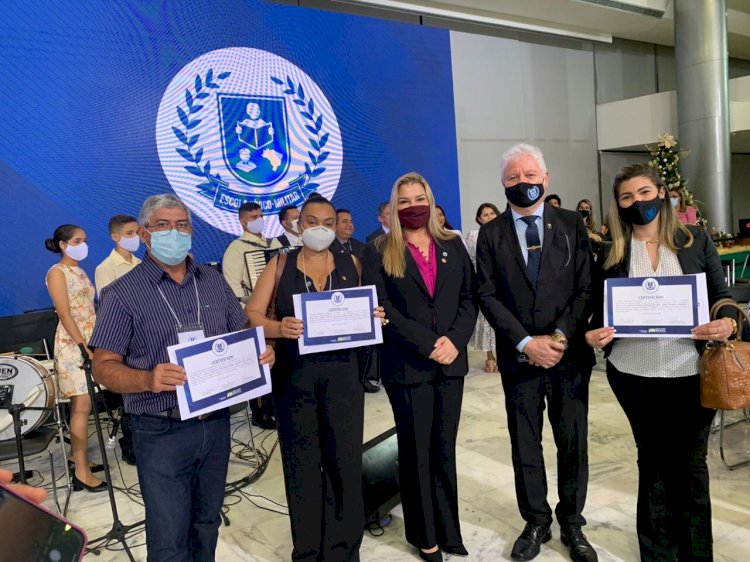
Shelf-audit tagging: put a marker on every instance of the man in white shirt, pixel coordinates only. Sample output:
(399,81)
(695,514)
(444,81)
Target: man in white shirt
(233,264)
(123,229)
(288,218)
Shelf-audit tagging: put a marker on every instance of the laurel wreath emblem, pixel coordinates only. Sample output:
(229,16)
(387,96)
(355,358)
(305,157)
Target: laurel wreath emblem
(189,120)
(314,126)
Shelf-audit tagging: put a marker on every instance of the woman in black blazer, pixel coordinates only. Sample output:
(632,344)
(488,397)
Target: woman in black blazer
(656,380)
(424,279)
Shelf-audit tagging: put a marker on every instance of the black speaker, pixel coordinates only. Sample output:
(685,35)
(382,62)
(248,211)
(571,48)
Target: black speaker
(380,476)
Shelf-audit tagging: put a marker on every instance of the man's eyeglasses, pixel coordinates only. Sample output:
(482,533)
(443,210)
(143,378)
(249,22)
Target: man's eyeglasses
(163,226)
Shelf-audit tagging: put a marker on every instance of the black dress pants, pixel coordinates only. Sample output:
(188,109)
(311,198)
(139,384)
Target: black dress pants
(427,416)
(320,419)
(671,430)
(565,389)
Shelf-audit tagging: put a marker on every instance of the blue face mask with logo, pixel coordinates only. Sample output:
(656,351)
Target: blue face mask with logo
(524,194)
(642,212)
(170,247)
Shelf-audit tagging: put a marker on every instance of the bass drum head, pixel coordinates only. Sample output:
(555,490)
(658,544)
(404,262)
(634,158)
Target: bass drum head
(24,380)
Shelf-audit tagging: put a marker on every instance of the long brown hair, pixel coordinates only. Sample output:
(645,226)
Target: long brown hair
(392,244)
(589,221)
(622,231)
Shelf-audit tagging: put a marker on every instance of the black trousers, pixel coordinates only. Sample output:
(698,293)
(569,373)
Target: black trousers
(427,416)
(320,419)
(565,389)
(671,431)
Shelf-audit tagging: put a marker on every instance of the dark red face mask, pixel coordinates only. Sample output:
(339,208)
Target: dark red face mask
(414,217)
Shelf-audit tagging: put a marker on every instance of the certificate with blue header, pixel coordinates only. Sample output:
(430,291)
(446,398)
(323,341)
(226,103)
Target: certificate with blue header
(339,319)
(655,307)
(221,371)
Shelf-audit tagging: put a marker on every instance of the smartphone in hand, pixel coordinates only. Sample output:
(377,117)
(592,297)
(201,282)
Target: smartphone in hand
(29,532)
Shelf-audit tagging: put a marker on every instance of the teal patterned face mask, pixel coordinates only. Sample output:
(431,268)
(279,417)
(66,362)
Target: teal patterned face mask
(170,246)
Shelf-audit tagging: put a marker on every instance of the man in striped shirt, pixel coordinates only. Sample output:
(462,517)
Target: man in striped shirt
(182,465)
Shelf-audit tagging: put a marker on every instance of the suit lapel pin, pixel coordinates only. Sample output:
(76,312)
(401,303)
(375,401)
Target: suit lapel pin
(343,277)
(444,260)
(549,226)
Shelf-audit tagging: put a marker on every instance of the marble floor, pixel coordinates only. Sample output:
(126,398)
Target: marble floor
(258,530)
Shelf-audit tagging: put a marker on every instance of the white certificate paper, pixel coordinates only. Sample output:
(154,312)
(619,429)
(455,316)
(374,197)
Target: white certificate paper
(339,319)
(221,371)
(656,307)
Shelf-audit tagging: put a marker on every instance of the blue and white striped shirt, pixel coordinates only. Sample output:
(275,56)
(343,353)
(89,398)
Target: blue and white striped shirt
(134,321)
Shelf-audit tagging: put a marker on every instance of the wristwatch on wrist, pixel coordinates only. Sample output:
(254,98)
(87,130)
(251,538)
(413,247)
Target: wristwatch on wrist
(560,338)
(734,325)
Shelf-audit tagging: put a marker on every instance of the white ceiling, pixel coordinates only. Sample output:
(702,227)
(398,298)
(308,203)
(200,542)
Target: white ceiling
(575,17)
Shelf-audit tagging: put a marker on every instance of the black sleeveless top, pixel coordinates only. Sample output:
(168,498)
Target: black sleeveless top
(288,359)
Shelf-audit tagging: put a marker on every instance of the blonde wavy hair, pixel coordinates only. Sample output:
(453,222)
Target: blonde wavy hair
(622,232)
(392,244)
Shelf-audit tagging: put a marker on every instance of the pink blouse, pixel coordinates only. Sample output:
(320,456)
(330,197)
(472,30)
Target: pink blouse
(427,269)
(688,216)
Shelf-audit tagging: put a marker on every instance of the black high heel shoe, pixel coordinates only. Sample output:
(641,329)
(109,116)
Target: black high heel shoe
(436,556)
(93,468)
(78,486)
(458,550)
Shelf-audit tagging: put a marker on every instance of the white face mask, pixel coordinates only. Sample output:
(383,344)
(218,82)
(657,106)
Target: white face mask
(130,244)
(255,226)
(295,225)
(318,238)
(77,253)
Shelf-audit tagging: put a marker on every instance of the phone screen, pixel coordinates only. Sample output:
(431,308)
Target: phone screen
(31,533)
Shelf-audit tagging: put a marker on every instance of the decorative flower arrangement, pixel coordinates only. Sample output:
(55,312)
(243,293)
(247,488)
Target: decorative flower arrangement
(665,157)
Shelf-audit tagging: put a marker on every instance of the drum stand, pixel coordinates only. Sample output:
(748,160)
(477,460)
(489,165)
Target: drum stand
(118,531)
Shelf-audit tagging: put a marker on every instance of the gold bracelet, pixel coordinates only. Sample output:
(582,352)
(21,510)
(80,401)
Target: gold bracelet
(560,338)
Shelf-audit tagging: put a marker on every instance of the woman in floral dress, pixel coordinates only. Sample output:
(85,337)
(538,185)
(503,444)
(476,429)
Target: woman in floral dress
(73,296)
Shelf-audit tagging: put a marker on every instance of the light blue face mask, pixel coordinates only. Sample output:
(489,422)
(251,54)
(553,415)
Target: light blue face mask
(170,246)
(675,201)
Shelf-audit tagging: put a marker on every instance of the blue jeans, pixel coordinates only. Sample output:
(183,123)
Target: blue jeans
(182,469)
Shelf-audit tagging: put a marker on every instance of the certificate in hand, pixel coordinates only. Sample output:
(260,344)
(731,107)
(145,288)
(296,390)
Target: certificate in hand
(655,307)
(221,371)
(338,319)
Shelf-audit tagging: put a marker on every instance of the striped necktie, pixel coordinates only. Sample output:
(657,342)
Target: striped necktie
(534,247)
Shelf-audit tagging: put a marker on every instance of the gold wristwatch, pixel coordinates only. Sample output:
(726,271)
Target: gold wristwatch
(560,338)
(734,324)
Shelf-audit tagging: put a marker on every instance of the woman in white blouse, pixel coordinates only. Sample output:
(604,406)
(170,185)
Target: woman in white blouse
(655,380)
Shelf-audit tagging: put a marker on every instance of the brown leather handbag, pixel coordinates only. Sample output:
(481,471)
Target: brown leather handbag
(725,367)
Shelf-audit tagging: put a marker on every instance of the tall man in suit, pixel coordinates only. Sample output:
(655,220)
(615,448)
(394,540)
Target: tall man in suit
(384,218)
(534,287)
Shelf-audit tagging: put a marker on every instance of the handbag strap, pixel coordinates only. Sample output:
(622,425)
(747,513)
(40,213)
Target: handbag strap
(721,303)
(280,265)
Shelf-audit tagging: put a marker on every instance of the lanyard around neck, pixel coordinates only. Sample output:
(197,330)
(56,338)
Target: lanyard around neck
(197,300)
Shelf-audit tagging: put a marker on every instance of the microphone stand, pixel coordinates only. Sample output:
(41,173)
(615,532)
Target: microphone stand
(118,531)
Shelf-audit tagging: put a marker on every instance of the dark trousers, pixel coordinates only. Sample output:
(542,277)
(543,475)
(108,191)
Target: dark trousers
(320,419)
(182,469)
(671,430)
(427,416)
(565,389)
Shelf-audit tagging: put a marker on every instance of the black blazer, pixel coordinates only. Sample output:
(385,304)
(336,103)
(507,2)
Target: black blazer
(358,248)
(701,257)
(374,234)
(562,299)
(418,320)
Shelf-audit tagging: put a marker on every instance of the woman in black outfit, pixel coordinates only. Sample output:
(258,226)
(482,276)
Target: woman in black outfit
(317,397)
(656,380)
(424,279)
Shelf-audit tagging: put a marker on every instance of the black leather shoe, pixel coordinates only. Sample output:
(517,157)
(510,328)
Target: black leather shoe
(529,543)
(580,548)
(93,467)
(78,486)
(264,422)
(458,550)
(436,556)
(369,387)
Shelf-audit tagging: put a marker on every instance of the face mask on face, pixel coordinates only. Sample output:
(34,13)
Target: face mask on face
(414,217)
(318,238)
(585,213)
(170,247)
(675,201)
(130,244)
(77,253)
(255,226)
(642,212)
(295,225)
(524,194)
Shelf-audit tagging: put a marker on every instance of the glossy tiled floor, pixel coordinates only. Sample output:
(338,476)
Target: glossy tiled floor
(490,520)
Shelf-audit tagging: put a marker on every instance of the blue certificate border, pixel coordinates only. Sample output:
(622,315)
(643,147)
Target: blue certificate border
(204,346)
(656,329)
(357,292)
